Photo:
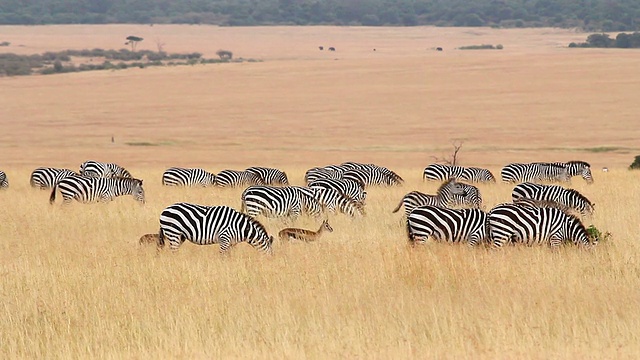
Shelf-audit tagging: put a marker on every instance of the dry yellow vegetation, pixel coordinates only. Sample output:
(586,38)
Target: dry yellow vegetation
(77,284)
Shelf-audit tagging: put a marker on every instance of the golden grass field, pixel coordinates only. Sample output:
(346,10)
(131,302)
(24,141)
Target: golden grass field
(76,283)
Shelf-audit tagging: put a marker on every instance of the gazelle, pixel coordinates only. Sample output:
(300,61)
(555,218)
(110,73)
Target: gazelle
(305,235)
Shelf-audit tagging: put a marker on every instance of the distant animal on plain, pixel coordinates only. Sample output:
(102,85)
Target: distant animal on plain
(321,48)
(303,234)
(332,49)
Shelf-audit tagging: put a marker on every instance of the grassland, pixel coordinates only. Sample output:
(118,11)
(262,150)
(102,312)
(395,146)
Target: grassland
(75,283)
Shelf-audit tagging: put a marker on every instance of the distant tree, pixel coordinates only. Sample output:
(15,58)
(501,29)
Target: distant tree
(635,165)
(133,41)
(224,54)
(600,40)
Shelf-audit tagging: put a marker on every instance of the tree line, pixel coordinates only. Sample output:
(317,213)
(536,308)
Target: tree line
(590,15)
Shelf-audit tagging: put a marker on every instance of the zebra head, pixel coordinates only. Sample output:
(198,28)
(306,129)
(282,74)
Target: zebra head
(137,191)
(471,196)
(576,232)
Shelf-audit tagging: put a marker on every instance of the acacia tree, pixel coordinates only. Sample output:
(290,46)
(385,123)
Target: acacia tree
(453,158)
(133,41)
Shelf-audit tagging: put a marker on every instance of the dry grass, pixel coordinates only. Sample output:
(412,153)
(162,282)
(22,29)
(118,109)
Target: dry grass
(76,283)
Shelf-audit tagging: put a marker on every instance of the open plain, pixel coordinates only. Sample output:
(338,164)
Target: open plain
(76,283)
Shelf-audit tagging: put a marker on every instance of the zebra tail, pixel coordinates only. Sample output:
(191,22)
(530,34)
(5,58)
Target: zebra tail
(160,242)
(399,206)
(52,198)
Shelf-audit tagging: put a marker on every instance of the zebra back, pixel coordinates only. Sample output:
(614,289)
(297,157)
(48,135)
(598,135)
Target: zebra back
(88,189)
(188,177)
(327,172)
(351,188)
(451,225)
(569,198)
(93,168)
(204,225)
(373,176)
(269,176)
(234,178)
(47,177)
(442,172)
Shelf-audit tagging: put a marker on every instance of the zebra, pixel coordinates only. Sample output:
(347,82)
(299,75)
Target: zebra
(4,183)
(188,177)
(93,168)
(274,201)
(374,176)
(570,198)
(334,200)
(269,176)
(534,172)
(451,225)
(451,193)
(205,225)
(87,189)
(351,188)
(475,174)
(327,172)
(535,225)
(46,177)
(234,178)
(577,167)
(444,172)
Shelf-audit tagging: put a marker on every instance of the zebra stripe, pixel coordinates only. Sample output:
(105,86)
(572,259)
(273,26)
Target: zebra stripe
(570,198)
(534,225)
(374,176)
(334,200)
(577,168)
(517,173)
(353,189)
(188,177)
(87,190)
(451,225)
(234,178)
(93,168)
(269,176)
(449,194)
(271,201)
(205,225)
(474,174)
(327,172)
(4,182)
(441,172)
(47,177)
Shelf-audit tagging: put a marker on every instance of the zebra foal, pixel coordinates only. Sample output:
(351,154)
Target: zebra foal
(206,225)
(235,178)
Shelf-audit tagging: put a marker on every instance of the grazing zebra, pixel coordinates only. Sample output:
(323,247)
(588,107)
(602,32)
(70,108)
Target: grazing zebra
(4,183)
(45,177)
(327,172)
(272,201)
(449,194)
(516,173)
(451,225)
(373,176)
(334,200)
(206,225)
(534,225)
(86,189)
(577,168)
(188,177)
(104,170)
(570,198)
(443,172)
(269,176)
(234,178)
(353,189)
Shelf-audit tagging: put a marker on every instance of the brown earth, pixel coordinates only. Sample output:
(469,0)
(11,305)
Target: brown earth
(400,105)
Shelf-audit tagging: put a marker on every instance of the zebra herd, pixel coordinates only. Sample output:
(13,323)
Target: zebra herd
(538,213)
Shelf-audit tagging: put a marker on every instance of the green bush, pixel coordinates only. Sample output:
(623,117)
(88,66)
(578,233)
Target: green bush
(635,164)
(479,47)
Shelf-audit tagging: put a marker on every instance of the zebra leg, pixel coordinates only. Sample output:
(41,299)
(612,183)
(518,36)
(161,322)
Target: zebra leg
(555,241)
(225,243)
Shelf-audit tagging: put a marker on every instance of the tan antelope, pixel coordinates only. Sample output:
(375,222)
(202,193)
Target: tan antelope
(148,239)
(303,234)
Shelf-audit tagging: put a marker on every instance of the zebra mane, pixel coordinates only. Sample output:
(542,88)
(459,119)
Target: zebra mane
(577,194)
(445,184)
(578,162)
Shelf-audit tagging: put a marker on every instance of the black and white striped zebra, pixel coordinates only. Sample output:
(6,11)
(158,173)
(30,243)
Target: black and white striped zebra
(336,201)
(577,168)
(475,174)
(353,189)
(93,168)
(374,176)
(47,177)
(4,182)
(235,178)
(206,225)
(532,225)
(450,194)
(188,177)
(271,201)
(442,172)
(570,198)
(270,176)
(534,172)
(327,172)
(87,189)
(450,225)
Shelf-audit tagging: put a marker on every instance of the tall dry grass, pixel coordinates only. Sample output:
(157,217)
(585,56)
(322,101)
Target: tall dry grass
(76,284)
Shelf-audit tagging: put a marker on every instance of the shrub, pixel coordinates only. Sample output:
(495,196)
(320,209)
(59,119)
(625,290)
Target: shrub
(479,47)
(224,54)
(635,164)
(5,43)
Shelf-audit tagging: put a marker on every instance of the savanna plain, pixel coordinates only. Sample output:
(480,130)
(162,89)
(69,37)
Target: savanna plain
(76,283)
